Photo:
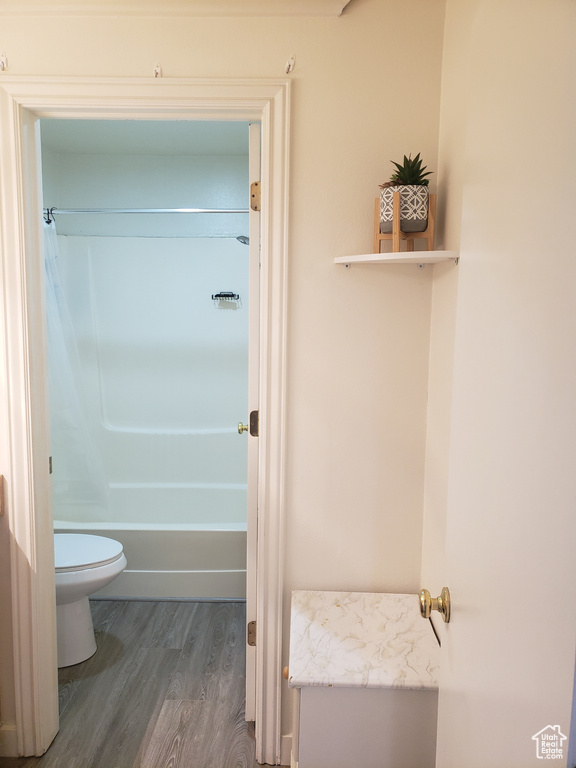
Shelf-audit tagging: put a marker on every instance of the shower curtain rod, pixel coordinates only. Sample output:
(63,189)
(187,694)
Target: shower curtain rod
(50,212)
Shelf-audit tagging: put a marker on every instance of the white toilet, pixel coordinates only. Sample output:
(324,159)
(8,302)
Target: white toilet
(84,564)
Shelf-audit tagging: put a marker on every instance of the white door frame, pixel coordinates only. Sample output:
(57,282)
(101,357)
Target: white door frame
(24,445)
(254,167)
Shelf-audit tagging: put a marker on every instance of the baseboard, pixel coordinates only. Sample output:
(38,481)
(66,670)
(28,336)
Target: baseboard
(286,750)
(8,740)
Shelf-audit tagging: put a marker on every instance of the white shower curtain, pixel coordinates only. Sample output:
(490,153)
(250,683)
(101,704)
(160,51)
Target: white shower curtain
(80,489)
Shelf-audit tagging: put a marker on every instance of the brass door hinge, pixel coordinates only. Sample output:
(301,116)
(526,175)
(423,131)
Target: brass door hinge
(251,635)
(255,197)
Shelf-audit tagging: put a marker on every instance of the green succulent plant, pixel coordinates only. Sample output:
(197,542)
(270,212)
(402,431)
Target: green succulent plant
(409,172)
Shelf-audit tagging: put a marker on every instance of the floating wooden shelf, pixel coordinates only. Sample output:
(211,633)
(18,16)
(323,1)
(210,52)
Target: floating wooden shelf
(404,257)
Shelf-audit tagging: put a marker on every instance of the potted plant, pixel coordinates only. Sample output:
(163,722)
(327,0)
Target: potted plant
(410,179)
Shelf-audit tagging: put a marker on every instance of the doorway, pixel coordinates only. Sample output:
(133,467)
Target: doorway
(149,345)
(24,101)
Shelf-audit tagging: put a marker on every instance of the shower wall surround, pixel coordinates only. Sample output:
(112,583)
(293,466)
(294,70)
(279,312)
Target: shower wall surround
(166,373)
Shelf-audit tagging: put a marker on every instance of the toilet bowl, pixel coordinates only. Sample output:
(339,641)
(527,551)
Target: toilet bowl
(84,564)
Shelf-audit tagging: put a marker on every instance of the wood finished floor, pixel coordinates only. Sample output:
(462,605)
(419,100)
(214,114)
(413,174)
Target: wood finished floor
(164,690)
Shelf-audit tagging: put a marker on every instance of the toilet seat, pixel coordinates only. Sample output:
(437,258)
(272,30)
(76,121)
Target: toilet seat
(78,551)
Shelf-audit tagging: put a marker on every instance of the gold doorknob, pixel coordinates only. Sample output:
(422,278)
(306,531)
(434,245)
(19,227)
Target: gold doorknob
(440,604)
(242,427)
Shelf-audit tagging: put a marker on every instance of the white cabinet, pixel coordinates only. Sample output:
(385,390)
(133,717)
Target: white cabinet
(365,669)
(368,727)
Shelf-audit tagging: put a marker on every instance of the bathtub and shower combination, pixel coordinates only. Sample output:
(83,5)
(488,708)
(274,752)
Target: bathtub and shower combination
(155,460)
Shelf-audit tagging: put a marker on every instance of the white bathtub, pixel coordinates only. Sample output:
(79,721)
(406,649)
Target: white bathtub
(175,560)
(181,540)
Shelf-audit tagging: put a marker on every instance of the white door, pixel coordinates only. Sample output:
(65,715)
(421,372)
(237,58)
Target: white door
(508,653)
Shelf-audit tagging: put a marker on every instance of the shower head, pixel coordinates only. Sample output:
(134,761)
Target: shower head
(243,239)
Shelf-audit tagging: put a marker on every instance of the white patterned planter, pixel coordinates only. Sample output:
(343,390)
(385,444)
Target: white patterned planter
(413,208)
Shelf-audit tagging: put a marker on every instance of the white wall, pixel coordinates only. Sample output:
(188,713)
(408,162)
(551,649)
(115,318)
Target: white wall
(366,91)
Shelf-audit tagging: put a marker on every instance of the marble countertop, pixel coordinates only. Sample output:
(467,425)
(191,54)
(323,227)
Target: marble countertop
(361,639)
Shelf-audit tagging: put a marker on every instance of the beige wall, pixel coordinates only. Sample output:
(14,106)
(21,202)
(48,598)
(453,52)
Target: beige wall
(451,148)
(365,91)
